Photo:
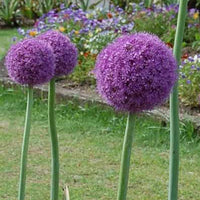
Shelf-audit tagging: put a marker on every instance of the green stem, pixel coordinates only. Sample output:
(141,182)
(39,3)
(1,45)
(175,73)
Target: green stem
(147,3)
(126,154)
(104,4)
(174,110)
(54,142)
(22,181)
(127,5)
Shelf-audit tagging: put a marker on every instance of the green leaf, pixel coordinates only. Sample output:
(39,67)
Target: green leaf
(92,6)
(197,36)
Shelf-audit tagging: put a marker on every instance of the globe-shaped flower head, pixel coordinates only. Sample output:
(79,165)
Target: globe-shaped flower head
(136,72)
(30,62)
(65,52)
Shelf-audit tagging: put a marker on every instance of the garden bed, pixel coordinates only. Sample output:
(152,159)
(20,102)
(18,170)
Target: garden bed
(91,31)
(68,90)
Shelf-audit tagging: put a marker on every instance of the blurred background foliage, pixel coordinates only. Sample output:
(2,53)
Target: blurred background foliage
(18,12)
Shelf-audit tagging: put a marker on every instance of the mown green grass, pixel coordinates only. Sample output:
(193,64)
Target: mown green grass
(90,138)
(6,36)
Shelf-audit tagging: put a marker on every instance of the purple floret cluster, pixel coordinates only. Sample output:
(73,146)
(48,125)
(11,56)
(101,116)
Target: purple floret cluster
(136,72)
(65,52)
(30,62)
(36,61)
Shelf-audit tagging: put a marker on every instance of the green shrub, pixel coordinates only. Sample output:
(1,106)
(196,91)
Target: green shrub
(32,9)
(9,11)
(163,24)
(189,83)
(27,8)
(83,72)
(159,24)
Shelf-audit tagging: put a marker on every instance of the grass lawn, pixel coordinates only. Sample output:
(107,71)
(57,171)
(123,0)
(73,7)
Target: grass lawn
(90,140)
(6,36)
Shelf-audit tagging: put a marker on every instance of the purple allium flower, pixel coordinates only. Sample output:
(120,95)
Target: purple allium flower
(65,52)
(30,62)
(135,72)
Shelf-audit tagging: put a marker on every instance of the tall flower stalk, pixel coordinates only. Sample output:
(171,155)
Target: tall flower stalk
(174,111)
(126,155)
(54,142)
(29,62)
(22,182)
(65,54)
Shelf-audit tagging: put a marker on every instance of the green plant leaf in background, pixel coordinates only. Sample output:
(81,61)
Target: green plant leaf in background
(92,6)
(9,11)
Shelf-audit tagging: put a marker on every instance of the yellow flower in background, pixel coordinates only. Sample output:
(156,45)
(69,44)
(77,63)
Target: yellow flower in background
(98,30)
(76,32)
(88,15)
(142,12)
(61,29)
(33,33)
(90,34)
(196,15)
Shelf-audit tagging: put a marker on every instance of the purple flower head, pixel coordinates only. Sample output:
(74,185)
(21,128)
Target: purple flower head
(192,11)
(191,59)
(188,81)
(65,52)
(30,62)
(136,72)
(14,39)
(21,31)
(193,67)
(62,6)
